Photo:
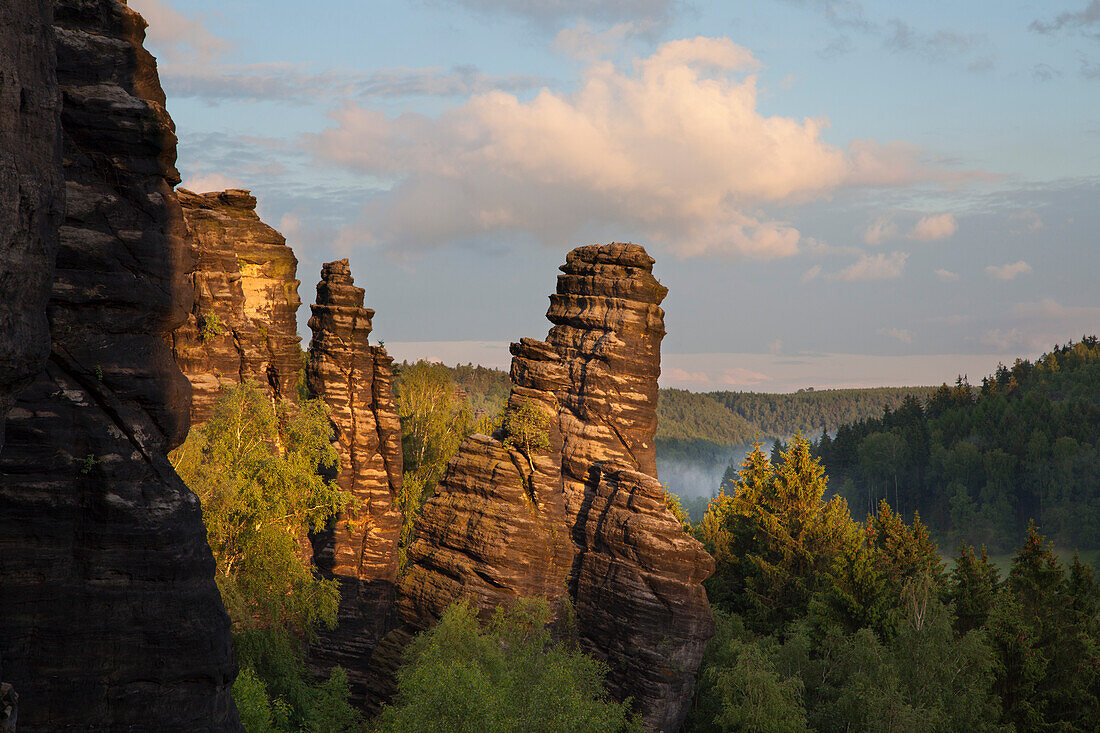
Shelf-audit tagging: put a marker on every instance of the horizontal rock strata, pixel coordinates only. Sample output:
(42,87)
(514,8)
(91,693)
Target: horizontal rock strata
(110,617)
(243,324)
(355,380)
(635,576)
(31,190)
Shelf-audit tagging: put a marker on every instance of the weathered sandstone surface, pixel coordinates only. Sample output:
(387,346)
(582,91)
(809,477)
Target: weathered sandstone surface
(495,530)
(243,324)
(355,380)
(31,190)
(110,618)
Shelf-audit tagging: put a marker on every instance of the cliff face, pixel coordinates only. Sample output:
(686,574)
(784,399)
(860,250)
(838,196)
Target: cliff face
(110,618)
(634,576)
(355,380)
(242,325)
(31,192)
(496,528)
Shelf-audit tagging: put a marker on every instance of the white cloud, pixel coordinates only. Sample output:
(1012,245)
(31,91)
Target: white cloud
(672,152)
(775,347)
(934,226)
(874,267)
(947,276)
(900,334)
(1009,271)
(205,183)
(175,36)
(880,230)
(585,43)
(811,274)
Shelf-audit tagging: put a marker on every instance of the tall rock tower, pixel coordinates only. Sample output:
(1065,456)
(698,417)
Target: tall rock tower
(109,618)
(496,528)
(355,380)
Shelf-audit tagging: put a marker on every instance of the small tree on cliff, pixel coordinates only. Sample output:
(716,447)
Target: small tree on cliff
(256,472)
(528,430)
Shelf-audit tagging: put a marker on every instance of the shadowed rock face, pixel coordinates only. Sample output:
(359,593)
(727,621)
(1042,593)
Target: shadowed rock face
(110,618)
(355,380)
(243,324)
(31,192)
(635,577)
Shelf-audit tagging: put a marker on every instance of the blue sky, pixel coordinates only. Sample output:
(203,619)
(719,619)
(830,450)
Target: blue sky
(837,193)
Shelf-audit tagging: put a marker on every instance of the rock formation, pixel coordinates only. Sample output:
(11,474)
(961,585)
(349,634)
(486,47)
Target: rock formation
(494,530)
(110,618)
(355,380)
(243,324)
(30,190)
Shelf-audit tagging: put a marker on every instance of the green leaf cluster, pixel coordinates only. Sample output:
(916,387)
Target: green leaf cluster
(463,678)
(255,467)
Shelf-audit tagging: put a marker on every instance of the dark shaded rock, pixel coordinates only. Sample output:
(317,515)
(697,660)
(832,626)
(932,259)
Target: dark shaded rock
(355,380)
(31,190)
(243,324)
(635,577)
(110,617)
(638,594)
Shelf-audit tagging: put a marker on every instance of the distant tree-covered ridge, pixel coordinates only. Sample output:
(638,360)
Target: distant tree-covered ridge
(980,462)
(696,425)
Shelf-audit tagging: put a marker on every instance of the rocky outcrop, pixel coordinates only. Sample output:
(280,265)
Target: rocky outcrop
(31,191)
(638,594)
(494,529)
(110,617)
(355,380)
(243,324)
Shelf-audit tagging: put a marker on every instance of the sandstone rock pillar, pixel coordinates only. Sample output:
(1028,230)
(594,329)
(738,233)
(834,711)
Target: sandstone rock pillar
(243,325)
(355,380)
(110,618)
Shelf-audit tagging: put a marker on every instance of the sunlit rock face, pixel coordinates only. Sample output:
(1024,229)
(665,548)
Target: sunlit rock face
(31,190)
(110,617)
(493,531)
(243,325)
(355,380)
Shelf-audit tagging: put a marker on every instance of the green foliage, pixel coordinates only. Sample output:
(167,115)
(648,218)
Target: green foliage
(672,503)
(739,688)
(435,419)
(460,677)
(776,541)
(210,326)
(979,463)
(256,471)
(274,692)
(527,429)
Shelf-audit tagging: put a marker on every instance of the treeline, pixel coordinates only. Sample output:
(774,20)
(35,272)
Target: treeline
(979,463)
(828,624)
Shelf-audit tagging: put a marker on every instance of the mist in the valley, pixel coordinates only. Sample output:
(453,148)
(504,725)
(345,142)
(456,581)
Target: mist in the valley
(689,479)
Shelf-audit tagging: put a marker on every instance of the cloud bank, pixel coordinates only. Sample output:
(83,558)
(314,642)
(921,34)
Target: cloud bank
(672,151)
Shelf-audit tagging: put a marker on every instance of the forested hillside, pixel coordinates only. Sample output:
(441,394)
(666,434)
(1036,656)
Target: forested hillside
(980,462)
(700,434)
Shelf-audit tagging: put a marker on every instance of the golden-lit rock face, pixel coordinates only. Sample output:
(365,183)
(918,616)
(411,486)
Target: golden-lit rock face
(355,380)
(243,325)
(589,521)
(110,616)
